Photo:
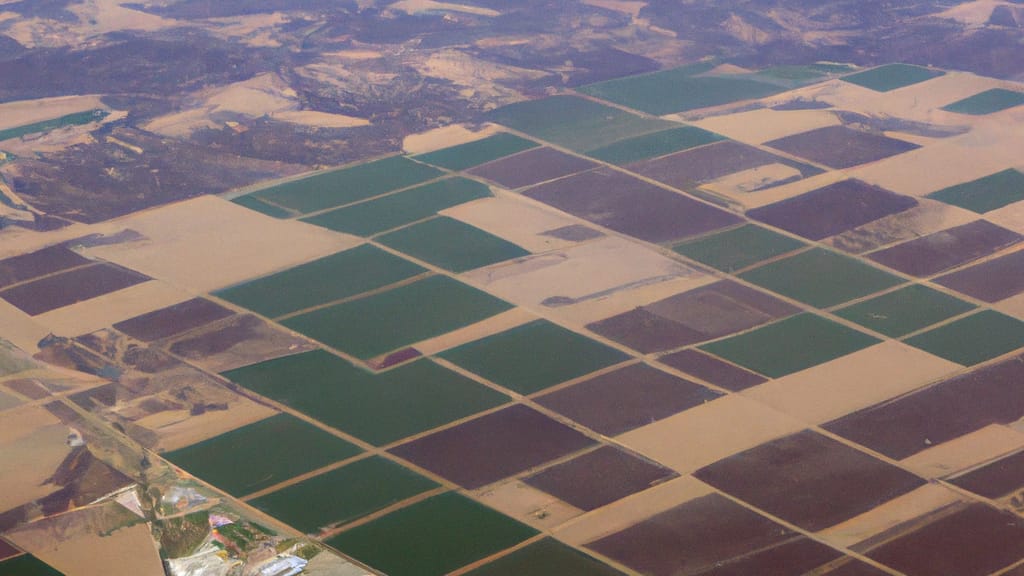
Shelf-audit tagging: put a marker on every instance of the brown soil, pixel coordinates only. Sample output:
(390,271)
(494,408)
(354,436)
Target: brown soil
(841,147)
(69,287)
(28,388)
(991,281)
(690,168)
(927,217)
(531,167)
(242,340)
(173,320)
(39,263)
(713,370)
(1000,478)
(947,249)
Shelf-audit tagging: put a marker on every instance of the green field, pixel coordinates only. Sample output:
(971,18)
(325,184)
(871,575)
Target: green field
(27,565)
(344,494)
(76,119)
(791,345)
(377,408)
(821,278)
(985,194)
(451,244)
(679,90)
(432,537)
(347,185)
(653,145)
(905,310)
(337,276)
(392,211)
(254,203)
(738,248)
(796,75)
(573,122)
(545,558)
(974,339)
(534,356)
(987,102)
(261,454)
(892,76)
(473,154)
(371,326)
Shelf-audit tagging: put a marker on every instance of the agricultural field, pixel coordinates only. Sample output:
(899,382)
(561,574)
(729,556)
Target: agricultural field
(546,558)
(905,310)
(472,154)
(892,77)
(985,194)
(973,339)
(738,248)
(451,245)
(653,145)
(26,565)
(987,102)
(77,119)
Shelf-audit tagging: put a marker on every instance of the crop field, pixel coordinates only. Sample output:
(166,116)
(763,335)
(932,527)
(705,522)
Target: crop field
(790,345)
(479,152)
(374,216)
(738,248)
(626,398)
(347,185)
(341,275)
(576,123)
(27,565)
(262,454)
(947,249)
(892,76)
(996,479)
(173,320)
(377,408)
(533,357)
(254,203)
(432,538)
(821,278)
(448,243)
(531,167)
(990,281)
(653,145)
(841,147)
(711,369)
(344,494)
(546,558)
(76,119)
(985,194)
(905,310)
(39,263)
(987,102)
(973,339)
(71,286)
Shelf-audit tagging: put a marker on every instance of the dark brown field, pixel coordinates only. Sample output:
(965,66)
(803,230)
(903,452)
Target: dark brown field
(832,209)
(240,341)
(493,447)
(713,370)
(991,281)
(997,479)
(690,168)
(841,147)
(631,206)
(69,287)
(625,399)
(28,388)
(947,410)
(173,320)
(6,550)
(794,557)
(531,167)
(706,313)
(947,249)
(599,477)
(39,263)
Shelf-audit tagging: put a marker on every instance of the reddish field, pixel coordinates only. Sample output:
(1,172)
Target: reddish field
(713,370)
(173,320)
(493,447)
(841,147)
(625,399)
(940,251)
(991,281)
(598,478)
(950,409)
(708,312)
(832,209)
(531,167)
(809,480)
(690,168)
(28,388)
(69,287)
(631,206)
(39,263)
(997,479)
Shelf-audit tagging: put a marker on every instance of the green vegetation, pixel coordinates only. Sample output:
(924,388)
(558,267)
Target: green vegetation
(904,311)
(534,356)
(261,454)
(76,119)
(985,194)
(892,76)
(334,277)
(392,211)
(653,145)
(793,76)
(344,494)
(821,278)
(679,90)
(987,102)
(347,185)
(473,154)
(432,537)
(180,536)
(974,339)
(451,244)
(791,345)
(573,122)
(738,248)
(27,565)
(376,324)
(546,558)
(254,203)
(378,408)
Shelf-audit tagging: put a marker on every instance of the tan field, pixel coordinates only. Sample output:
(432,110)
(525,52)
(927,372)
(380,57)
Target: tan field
(100,312)
(905,508)
(515,220)
(528,505)
(22,112)
(33,443)
(759,126)
(21,329)
(493,325)
(1011,216)
(444,137)
(965,452)
(836,388)
(928,217)
(975,13)
(418,6)
(179,428)
(1013,306)
(779,193)
(746,182)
